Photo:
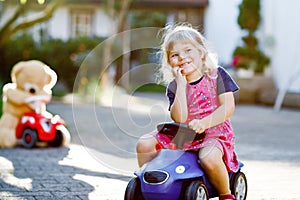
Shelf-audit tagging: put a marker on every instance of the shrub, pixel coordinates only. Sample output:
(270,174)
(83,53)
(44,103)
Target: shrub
(1,107)
(1,104)
(249,56)
(58,54)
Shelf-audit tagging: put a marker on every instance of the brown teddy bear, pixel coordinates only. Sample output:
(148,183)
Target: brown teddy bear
(29,91)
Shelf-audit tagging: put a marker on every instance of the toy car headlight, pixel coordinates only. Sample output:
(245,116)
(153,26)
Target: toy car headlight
(180,169)
(155,177)
(29,119)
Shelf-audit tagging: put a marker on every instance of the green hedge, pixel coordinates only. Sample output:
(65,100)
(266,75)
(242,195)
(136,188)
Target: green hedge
(151,87)
(0,107)
(60,55)
(249,56)
(1,85)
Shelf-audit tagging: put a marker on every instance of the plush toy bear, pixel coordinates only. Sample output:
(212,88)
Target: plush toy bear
(29,91)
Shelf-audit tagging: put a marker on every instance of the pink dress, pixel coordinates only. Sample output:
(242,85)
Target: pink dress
(202,100)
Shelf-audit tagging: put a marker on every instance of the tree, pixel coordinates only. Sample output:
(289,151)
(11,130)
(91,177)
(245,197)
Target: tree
(249,56)
(118,11)
(13,24)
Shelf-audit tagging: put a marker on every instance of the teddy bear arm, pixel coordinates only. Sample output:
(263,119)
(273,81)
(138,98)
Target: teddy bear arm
(46,94)
(14,95)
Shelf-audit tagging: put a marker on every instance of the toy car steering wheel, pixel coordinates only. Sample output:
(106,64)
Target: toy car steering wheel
(181,133)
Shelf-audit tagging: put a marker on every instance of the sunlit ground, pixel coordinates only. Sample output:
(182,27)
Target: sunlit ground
(111,187)
(272,168)
(7,176)
(107,183)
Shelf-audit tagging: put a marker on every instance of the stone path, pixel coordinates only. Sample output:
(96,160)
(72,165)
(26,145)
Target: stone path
(101,159)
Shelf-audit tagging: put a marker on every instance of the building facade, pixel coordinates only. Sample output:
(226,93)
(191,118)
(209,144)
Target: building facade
(90,18)
(217,19)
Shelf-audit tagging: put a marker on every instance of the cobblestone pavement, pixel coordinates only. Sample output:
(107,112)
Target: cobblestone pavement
(57,173)
(101,158)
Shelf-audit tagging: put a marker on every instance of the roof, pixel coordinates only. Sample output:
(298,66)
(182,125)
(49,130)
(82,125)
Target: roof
(185,3)
(171,3)
(85,1)
(154,3)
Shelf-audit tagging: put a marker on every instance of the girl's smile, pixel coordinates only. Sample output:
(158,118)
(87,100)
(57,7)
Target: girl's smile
(184,64)
(185,56)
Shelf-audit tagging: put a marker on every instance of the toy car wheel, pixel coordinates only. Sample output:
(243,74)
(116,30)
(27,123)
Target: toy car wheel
(238,186)
(57,141)
(29,138)
(133,190)
(196,190)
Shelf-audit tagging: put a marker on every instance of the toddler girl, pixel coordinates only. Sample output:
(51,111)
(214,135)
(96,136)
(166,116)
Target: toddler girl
(201,95)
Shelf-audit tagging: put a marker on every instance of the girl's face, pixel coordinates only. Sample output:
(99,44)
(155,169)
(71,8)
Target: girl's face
(188,58)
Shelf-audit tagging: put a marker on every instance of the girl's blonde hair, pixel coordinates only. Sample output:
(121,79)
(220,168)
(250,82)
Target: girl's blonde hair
(186,32)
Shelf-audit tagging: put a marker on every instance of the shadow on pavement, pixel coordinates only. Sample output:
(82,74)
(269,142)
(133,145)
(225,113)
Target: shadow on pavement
(44,173)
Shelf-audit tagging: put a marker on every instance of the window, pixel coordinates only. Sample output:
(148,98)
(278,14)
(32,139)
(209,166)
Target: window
(81,23)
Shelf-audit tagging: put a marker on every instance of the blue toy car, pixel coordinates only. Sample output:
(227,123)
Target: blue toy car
(176,174)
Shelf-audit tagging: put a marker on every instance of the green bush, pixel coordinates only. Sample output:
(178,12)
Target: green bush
(13,51)
(60,55)
(0,107)
(1,85)
(249,17)
(151,87)
(249,56)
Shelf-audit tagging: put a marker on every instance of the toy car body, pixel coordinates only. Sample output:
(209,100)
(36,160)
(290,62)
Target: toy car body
(34,127)
(176,174)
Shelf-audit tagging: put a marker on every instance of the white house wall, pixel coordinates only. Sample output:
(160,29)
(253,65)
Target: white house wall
(221,28)
(278,34)
(59,25)
(284,29)
(5,15)
(103,24)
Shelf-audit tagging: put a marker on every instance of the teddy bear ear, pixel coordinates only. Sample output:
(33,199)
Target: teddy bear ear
(17,68)
(52,78)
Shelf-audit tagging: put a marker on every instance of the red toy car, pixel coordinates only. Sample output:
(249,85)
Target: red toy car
(35,127)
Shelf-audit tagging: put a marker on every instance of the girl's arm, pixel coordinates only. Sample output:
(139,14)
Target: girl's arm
(178,111)
(221,114)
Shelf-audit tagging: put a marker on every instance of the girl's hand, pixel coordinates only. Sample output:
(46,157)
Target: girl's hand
(197,125)
(179,78)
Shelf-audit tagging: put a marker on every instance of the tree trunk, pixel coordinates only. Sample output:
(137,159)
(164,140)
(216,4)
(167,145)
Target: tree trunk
(122,77)
(10,28)
(121,18)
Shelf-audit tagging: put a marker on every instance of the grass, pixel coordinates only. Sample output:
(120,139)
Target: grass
(151,87)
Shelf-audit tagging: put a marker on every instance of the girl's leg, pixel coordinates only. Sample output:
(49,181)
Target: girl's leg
(214,166)
(145,149)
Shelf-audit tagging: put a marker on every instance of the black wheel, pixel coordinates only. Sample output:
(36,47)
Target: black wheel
(133,190)
(57,141)
(196,190)
(29,138)
(238,186)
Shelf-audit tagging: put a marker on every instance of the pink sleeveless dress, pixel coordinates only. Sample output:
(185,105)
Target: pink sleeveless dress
(202,100)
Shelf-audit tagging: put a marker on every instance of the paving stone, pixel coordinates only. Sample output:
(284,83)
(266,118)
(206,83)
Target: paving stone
(267,142)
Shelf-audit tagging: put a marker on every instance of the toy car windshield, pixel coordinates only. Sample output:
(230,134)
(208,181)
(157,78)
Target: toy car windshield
(181,133)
